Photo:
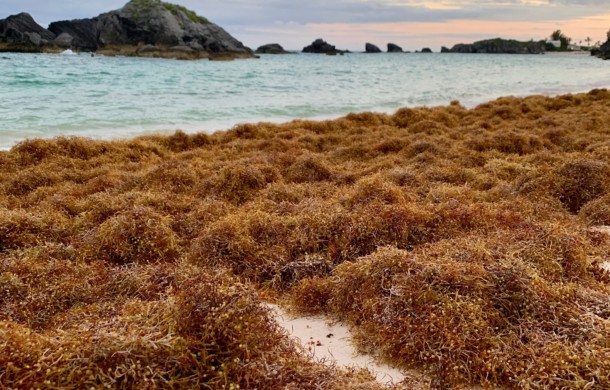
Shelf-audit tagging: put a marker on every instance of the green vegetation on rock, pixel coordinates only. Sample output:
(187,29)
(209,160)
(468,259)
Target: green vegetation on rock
(173,8)
(192,15)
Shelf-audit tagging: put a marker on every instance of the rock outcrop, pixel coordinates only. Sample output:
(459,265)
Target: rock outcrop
(603,51)
(271,48)
(394,48)
(426,50)
(320,46)
(498,46)
(20,33)
(141,27)
(84,32)
(370,48)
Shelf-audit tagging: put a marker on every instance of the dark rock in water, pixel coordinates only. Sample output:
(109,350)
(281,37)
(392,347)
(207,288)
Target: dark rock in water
(393,48)
(604,51)
(83,31)
(63,40)
(21,33)
(426,50)
(445,50)
(271,48)
(499,46)
(320,46)
(370,48)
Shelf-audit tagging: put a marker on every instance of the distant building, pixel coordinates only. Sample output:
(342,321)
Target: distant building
(556,43)
(574,47)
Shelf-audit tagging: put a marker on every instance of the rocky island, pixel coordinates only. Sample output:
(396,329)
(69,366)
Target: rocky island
(394,48)
(498,46)
(320,46)
(371,48)
(147,28)
(271,48)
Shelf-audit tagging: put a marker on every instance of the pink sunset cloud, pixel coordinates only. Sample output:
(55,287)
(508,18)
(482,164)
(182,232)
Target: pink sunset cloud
(415,35)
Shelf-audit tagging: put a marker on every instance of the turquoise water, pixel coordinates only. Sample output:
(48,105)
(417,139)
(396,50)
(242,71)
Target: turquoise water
(45,95)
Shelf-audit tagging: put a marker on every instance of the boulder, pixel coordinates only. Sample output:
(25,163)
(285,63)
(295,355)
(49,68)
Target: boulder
(148,49)
(34,38)
(426,50)
(394,48)
(271,48)
(370,48)
(195,45)
(320,46)
(499,46)
(445,50)
(83,31)
(63,40)
(21,33)
(182,49)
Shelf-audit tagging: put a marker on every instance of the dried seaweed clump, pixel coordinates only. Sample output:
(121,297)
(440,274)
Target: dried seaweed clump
(582,181)
(597,212)
(138,235)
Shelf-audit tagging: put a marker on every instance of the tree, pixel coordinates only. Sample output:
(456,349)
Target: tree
(588,40)
(557,35)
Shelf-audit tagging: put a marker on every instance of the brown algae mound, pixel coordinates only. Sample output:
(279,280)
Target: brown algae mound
(456,242)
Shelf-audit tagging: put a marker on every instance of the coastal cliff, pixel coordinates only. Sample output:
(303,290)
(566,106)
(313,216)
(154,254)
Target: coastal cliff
(498,46)
(149,28)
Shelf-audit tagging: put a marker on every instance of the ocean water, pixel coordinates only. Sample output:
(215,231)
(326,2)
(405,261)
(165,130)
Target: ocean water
(45,95)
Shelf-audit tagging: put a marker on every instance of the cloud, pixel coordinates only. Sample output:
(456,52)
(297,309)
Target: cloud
(388,11)
(264,12)
(261,21)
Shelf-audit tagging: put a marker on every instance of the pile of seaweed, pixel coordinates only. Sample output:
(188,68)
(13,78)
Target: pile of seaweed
(457,242)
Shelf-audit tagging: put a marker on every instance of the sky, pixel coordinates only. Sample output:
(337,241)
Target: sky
(349,24)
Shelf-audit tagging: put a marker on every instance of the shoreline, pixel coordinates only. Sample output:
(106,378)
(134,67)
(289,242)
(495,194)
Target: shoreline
(211,127)
(104,97)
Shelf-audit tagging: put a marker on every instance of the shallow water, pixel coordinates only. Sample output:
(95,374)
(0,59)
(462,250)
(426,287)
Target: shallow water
(45,95)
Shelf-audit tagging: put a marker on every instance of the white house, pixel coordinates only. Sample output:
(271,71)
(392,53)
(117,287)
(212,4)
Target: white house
(574,47)
(556,43)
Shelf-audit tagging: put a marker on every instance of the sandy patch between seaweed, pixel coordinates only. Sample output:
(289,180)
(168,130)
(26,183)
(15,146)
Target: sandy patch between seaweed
(331,343)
